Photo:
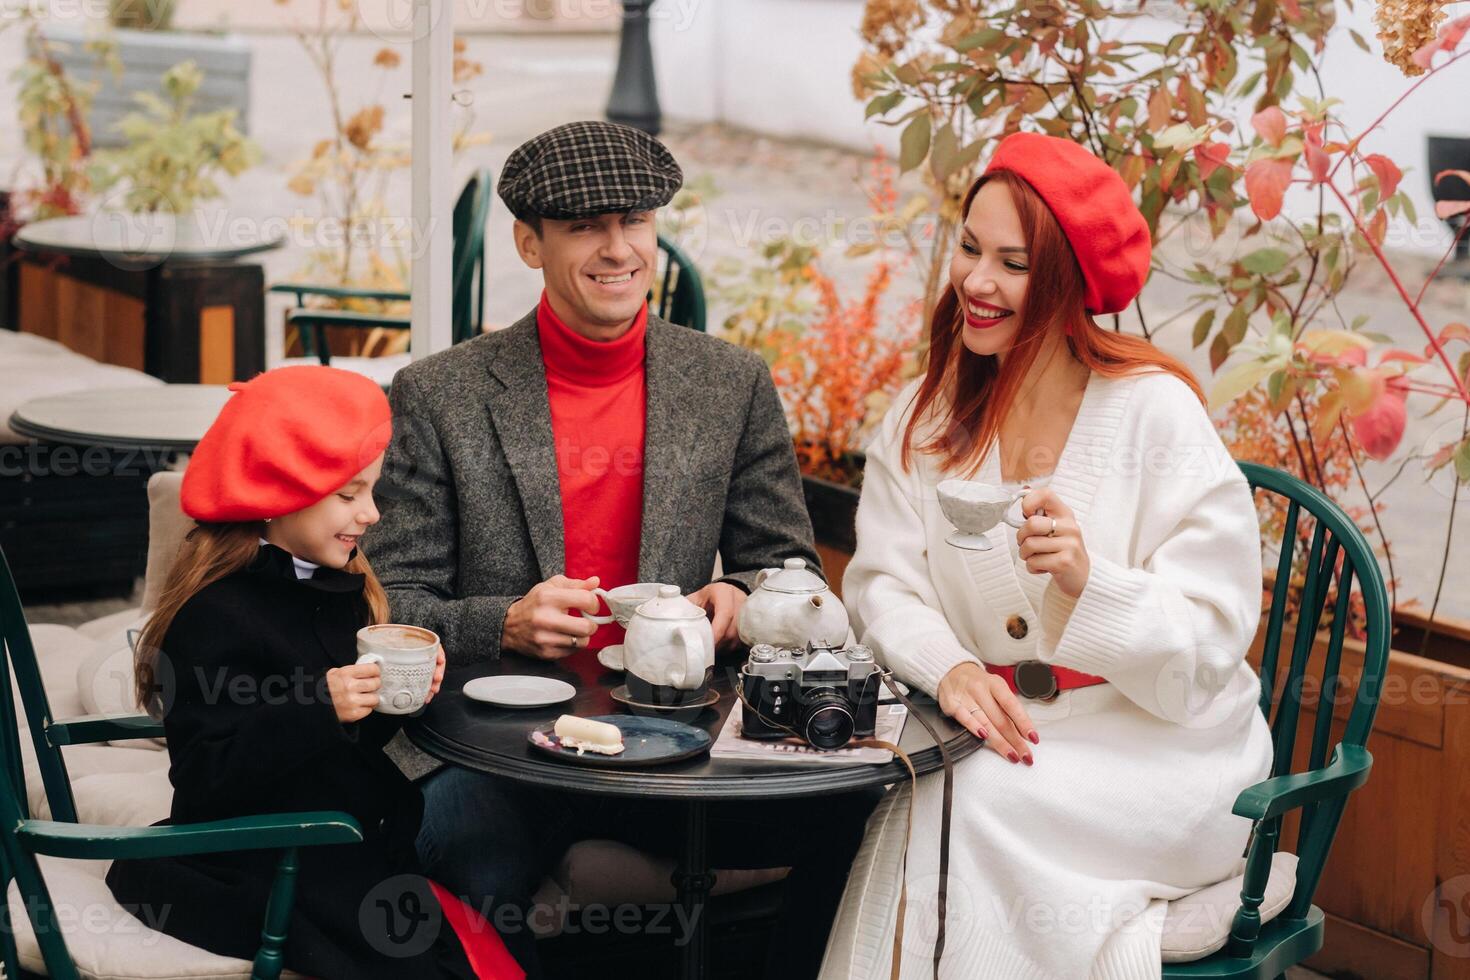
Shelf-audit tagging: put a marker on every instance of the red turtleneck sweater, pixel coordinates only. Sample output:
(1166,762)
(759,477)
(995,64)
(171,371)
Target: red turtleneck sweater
(597,391)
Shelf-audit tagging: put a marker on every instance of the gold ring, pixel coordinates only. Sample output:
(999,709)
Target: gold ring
(1053,532)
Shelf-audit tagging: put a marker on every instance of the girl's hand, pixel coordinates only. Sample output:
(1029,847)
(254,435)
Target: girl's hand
(1051,542)
(985,705)
(354,690)
(438,676)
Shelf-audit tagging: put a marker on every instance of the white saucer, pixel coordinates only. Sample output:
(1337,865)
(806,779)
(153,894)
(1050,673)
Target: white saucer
(611,657)
(510,691)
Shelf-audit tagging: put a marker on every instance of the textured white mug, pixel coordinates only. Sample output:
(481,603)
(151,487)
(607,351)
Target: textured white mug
(406,657)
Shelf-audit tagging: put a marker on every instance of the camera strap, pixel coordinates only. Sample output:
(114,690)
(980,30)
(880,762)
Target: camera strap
(944,820)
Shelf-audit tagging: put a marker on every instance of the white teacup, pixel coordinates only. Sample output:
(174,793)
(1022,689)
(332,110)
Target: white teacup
(624,601)
(974,508)
(406,657)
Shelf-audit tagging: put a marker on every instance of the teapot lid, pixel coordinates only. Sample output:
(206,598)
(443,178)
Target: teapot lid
(794,577)
(669,604)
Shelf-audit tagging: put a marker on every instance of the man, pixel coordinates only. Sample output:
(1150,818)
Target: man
(592,443)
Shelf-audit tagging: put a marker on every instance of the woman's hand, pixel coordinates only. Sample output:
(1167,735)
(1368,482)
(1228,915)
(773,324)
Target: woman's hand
(438,676)
(985,705)
(354,690)
(1051,542)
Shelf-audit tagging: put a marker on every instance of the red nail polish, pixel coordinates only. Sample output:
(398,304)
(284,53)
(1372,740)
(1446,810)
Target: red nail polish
(1028,760)
(1035,738)
(1013,757)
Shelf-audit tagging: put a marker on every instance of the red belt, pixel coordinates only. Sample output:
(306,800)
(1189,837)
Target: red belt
(1041,681)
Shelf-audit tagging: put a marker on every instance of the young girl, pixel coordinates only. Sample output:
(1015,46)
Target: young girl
(250,662)
(1100,649)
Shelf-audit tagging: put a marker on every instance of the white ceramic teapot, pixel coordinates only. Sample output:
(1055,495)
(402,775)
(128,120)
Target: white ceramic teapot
(791,607)
(670,643)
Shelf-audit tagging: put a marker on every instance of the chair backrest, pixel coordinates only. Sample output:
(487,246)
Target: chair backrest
(20,655)
(1337,553)
(678,291)
(471,210)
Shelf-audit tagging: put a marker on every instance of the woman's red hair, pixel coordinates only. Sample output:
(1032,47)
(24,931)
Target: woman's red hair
(969,395)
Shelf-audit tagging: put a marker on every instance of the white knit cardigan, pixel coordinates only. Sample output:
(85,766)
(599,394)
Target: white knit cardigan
(1128,804)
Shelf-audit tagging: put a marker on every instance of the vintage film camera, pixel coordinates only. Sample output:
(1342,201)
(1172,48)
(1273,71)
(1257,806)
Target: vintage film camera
(826,695)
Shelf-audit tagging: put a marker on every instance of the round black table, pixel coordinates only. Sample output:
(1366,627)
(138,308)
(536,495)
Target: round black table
(465,732)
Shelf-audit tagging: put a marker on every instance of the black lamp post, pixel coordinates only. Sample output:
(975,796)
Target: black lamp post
(634,99)
(1452,153)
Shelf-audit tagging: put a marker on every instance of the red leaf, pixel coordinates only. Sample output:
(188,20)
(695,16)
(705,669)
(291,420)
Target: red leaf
(1452,331)
(1448,209)
(1317,160)
(1210,157)
(1450,36)
(1388,174)
(1380,429)
(1265,184)
(1270,123)
(1408,357)
(1292,9)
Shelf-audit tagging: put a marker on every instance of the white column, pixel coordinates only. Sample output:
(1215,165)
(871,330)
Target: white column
(433,202)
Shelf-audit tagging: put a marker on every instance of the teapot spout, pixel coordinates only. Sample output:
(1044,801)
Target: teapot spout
(816,601)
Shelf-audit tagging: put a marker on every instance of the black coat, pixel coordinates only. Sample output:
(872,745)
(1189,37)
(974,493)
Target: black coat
(251,729)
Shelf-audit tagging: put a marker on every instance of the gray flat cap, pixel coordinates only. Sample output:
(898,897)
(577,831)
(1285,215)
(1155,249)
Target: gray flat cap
(584,169)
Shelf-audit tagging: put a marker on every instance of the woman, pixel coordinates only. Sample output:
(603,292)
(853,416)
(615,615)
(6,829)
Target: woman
(250,660)
(1130,594)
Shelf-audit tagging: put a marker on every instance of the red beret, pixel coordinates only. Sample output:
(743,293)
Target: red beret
(1095,209)
(283,441)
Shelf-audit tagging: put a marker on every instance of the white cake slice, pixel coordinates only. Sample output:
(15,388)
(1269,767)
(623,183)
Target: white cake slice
(586,735)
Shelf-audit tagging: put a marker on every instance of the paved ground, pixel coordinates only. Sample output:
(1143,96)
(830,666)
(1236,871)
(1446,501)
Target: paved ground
(760,189)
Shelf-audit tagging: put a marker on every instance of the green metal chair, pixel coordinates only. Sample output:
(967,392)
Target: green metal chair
(467,279)
(678,291)
(22,839)
(1321,789)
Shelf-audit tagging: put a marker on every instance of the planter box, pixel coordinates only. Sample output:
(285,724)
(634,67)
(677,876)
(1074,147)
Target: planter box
(145,56)
(833,509)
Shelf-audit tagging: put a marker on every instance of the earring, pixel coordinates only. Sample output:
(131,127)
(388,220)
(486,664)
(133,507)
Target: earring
(267,520)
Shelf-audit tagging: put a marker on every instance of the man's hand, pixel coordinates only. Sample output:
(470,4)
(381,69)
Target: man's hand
(540,623)
(721,602)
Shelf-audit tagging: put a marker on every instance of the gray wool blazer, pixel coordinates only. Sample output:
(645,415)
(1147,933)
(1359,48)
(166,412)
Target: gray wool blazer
(471,501)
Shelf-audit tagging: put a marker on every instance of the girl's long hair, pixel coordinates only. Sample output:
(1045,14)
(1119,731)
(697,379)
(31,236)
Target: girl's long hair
(965,396)
(209,553)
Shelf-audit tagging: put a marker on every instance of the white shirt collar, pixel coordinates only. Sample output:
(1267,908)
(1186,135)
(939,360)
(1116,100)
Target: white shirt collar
(304,569)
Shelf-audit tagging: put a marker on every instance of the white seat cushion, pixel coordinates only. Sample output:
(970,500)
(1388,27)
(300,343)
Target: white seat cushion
(1198,924)
(105,941)
(380,369)
(113,624)
(34,367)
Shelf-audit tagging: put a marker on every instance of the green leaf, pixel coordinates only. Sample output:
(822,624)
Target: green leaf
(914,144)
(1360,42)
(1265,261)
(1235,325)
(883,103)
(1462,462)
(1202,326)
(1240,379)
(982,38)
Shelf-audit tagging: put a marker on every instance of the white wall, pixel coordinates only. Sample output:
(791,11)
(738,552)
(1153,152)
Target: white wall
(784,67)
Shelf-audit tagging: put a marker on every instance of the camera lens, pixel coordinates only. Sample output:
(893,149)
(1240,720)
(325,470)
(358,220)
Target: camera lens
(826,721)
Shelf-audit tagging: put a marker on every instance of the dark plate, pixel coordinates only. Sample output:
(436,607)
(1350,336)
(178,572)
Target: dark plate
(646,742)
